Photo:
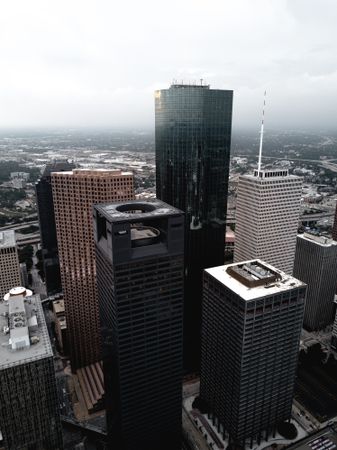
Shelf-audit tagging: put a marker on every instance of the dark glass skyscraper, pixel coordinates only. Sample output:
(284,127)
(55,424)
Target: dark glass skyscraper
(193,135)
(29,411)
(45,205)
(140,264)
(251,326)
(316,264)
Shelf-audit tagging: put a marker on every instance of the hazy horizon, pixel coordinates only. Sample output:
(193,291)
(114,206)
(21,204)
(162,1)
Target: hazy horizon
(96,64)
(87,129)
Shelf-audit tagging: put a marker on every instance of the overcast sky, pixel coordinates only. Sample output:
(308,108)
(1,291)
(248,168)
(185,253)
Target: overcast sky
(97,63)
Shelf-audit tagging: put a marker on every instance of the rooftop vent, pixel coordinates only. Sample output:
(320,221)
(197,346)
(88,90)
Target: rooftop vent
(253,274)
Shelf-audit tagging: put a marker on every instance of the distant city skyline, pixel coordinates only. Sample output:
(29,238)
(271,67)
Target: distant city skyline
(71,65)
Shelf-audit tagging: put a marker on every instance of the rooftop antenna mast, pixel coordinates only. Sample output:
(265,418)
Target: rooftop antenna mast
(261,134)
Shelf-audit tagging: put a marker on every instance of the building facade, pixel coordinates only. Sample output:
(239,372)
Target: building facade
(267,218)
(10,273)
(140,266)
(334,331)
(74,193)
(316,265)
(251,326)
(334,228)
(60,323)
(45,207)
(193,137)
(29,415)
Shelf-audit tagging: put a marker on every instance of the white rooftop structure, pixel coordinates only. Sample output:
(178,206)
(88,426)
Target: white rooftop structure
(263,278)
(23,331)
(319,240)
(7,239)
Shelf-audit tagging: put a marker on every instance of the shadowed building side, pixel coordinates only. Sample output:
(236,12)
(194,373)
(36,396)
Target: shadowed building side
(29,412)
(193,136)
(316,265)
(140,265)
(45,207)
(251,326)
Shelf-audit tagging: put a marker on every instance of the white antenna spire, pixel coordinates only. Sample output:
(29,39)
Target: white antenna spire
(261,134)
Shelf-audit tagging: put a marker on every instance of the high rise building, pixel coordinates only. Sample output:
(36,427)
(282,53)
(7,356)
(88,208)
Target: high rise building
(267,217)
(29,416)
(334,332)
(74,193)
(140,270)
(316,265)
(45,207)
(193,137)
(251,326)
(334,228)
(10,273)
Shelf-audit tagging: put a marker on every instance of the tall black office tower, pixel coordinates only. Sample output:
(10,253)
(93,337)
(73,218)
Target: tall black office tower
(140,263)
(251,327)
(193,135)
(45,206)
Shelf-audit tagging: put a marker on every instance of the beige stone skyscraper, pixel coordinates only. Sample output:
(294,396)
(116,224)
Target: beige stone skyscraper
(267,218)
(74,194)
(9,262)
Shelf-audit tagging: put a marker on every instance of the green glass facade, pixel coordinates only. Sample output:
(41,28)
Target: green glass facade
(193,135)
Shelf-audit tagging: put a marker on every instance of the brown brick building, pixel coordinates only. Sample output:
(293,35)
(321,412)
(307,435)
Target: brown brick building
(74,194)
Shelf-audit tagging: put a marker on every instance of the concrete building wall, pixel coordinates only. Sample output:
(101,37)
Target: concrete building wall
(267,218)
(10,274)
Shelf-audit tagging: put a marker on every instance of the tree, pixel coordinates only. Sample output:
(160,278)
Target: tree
(25,256)
(200,404)
(25,253)
(287,430)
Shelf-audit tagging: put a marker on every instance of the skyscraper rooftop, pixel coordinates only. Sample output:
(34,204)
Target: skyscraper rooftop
(320,240)
(7,239)
(23,330)
(137,210)
(253,279)
(94,172)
